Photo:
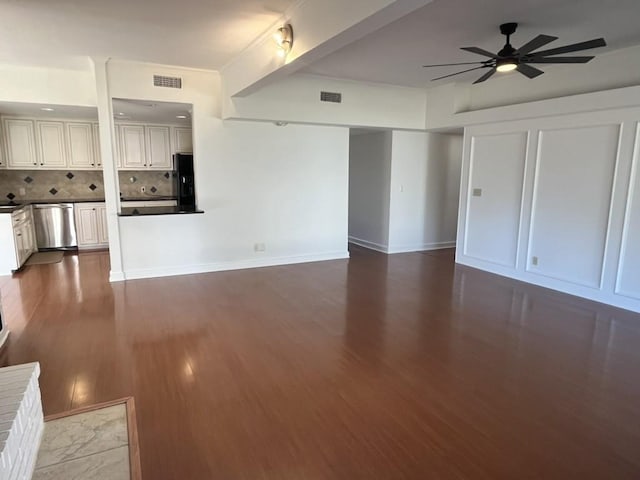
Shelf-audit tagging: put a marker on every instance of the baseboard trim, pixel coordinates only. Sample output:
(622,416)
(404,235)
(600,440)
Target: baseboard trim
(140,273)
(370,245)
(424,247)
(116,276)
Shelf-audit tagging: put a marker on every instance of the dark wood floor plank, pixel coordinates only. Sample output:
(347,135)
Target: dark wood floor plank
(390,367)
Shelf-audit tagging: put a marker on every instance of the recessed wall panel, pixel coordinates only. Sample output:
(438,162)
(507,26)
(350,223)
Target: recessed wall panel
(629,273)
(572,197)
(495,197)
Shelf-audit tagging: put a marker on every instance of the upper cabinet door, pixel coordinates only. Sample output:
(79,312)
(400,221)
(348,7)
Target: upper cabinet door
(21,144)
(51,145)
(132,147)
(81,148)
(159,147)
(184,140)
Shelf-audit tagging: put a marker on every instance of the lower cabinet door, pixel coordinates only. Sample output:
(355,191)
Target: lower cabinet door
(87,225)
(103,230)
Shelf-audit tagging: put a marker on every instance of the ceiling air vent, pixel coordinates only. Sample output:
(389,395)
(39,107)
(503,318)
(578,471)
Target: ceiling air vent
(169,82)
(331,97)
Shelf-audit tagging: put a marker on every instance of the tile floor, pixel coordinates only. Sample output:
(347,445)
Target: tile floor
(86,446)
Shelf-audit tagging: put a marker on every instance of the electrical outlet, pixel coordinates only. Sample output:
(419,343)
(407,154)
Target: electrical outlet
(477,192)
(259,247)
(22,191)
(534,260)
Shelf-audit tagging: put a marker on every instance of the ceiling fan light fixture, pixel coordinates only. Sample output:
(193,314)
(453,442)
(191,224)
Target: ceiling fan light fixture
(508,65)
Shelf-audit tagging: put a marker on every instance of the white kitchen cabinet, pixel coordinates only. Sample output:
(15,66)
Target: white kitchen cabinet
(20,139)
(25,241)
(52,153)
(183,140)
(91,225)
(103,229)
(17,239)
(81,146)
(159,147)
(97,154)
(133,153)
(3,158)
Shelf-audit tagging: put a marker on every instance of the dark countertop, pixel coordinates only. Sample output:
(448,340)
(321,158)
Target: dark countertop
(147,199)
(9,207)
(143,211)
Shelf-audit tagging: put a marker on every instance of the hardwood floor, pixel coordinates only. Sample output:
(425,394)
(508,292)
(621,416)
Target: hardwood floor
(379,367)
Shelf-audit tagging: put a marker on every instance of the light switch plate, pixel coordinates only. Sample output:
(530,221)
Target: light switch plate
(534,260)
(477,192)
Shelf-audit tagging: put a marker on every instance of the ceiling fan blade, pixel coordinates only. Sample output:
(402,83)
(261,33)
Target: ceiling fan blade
(576,47)
(479,51)
(528,70)
(451,64)
(457,73)
(536,59)
(536,43)
(485,76)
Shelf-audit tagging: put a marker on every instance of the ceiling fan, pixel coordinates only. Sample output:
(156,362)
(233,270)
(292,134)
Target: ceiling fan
(509,58)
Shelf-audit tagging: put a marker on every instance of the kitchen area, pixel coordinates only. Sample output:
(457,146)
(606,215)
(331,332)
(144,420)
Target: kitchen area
(51,173)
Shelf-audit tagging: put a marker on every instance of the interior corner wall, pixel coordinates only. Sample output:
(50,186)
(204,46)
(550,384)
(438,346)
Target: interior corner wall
(425,179)
(284,187)
(555,202)
(369,182)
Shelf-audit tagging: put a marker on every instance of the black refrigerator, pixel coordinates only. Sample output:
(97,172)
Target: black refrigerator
(185,185)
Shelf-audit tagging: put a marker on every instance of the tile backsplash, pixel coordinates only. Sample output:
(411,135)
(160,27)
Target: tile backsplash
(86,184)
(50,184)
(155,183)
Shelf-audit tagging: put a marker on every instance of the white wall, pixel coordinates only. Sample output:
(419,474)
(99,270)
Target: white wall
(369,183)
(47,85)
(556,203)
(286,187)
(297,99)
(425,179)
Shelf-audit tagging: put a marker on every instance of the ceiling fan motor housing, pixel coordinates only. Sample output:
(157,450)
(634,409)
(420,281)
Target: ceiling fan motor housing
(508,28)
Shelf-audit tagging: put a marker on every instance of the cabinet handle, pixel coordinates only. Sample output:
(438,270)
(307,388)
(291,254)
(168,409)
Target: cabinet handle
(35,163)
(18,234)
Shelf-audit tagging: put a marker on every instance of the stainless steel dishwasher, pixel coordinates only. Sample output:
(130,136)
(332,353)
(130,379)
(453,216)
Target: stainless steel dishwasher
(55,226)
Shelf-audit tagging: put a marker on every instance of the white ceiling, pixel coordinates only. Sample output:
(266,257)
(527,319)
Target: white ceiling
(123,109)
(433,34)
(151,112)
(59,111)
(209,33)
(192,33)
